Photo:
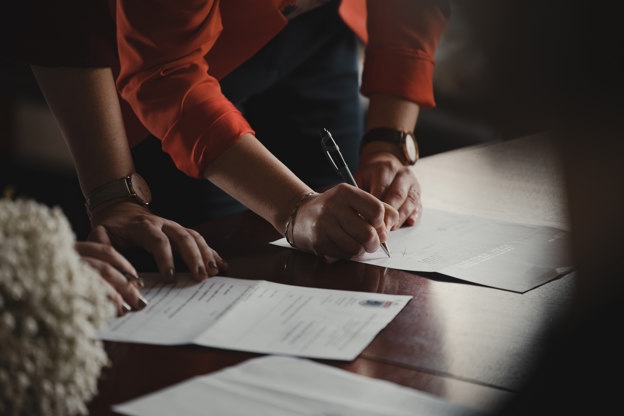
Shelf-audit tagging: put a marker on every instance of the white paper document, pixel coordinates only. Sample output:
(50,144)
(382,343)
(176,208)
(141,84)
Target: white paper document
(493,253)
(287,386)
(257,316)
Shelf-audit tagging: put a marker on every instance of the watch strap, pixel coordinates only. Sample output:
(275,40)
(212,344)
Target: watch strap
(385,134)
(397,137)
(116,189)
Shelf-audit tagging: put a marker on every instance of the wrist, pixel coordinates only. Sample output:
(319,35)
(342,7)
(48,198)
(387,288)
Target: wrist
(132,188)
(400,143)
(374,150)
(289,227)
(115,207)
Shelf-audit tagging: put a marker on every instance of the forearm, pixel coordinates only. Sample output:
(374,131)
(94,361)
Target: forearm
(389,111)
(85,105)
(256,178)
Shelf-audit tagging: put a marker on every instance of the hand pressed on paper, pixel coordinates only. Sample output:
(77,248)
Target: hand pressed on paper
(384,176)
(125,224)
(117,272)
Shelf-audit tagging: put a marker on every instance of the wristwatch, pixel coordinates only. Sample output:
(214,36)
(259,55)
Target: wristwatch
(132,187)
(405,140)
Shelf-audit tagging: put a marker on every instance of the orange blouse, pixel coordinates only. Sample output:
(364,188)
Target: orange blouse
(173,53)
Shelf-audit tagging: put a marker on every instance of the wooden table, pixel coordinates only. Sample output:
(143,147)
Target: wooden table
(470,344)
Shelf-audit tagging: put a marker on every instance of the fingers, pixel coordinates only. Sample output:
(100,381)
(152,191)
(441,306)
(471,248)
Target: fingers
(165,237)
(393,183)
(391,220)
(355,235)
(201,260)
(106,253)
(380,215)
(415,200)
(403,193)
(131,225)
(379,185)
(343,222)
(125,292)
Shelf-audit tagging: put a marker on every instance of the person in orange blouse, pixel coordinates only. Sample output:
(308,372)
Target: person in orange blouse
(236,92)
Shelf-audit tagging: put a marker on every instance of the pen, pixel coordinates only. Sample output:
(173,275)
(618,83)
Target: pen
(332,151)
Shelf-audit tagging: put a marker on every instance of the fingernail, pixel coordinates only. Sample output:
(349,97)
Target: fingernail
(125,308)
(170,275)
(202,272)
(142,302)
(213,265)
(224,265)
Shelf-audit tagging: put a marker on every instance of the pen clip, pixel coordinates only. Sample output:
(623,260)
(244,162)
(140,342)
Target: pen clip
(330,146)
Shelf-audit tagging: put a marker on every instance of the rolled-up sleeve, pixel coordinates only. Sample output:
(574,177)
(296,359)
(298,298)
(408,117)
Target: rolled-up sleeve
(403,36)
(165,78)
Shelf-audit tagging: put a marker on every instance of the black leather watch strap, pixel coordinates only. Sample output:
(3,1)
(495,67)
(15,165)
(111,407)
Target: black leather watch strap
(404,140)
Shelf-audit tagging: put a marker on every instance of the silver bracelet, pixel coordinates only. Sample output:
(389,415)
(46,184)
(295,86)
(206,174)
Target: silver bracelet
(289,230)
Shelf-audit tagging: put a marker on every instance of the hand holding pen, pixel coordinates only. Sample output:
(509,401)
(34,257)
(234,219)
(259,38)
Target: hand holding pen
(340,223)
(332,151)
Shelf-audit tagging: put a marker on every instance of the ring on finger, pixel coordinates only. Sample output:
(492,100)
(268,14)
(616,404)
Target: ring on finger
(132,278)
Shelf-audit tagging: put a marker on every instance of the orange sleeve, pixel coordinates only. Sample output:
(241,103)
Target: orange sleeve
(165,78)
(402,37)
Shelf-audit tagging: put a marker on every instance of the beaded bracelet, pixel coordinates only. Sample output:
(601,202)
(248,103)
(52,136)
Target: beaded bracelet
(289,230)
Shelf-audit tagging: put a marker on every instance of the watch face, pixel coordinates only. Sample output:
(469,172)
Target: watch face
(141,189)
(411,148)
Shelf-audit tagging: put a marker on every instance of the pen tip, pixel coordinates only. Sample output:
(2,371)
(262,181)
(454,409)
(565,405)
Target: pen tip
(384,246)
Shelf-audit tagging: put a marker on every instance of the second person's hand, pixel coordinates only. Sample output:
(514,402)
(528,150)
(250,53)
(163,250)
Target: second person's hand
(117,272)
(384,176)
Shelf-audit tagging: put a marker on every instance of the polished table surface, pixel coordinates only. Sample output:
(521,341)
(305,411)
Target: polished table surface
(470,344)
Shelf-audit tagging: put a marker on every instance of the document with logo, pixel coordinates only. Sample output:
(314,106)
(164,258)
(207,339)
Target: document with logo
(489,252)
(287,386)
(257,316)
